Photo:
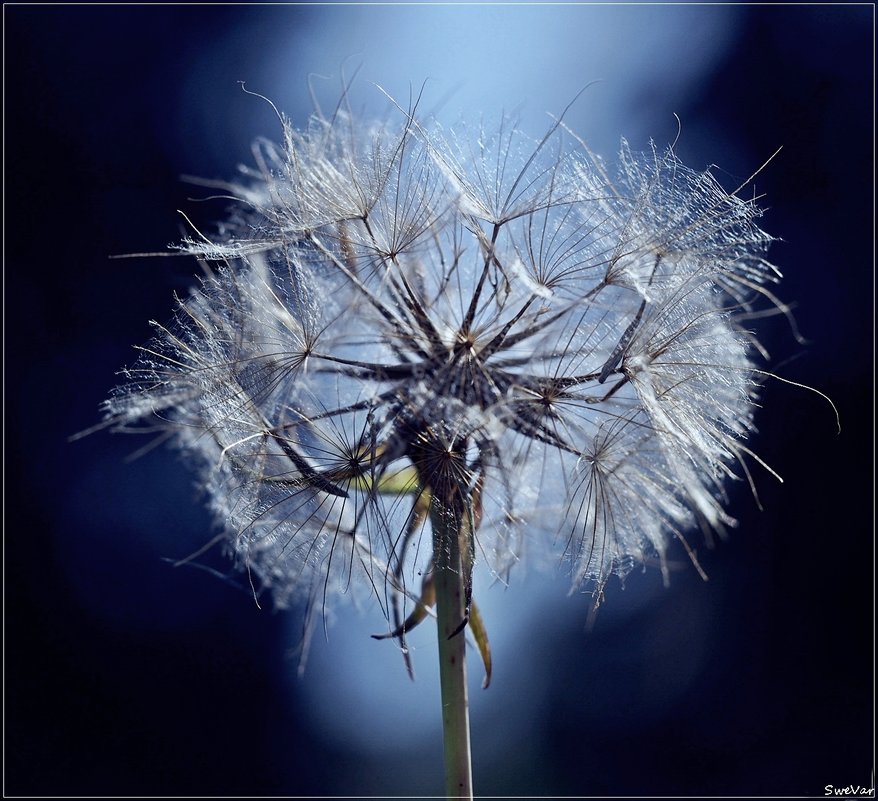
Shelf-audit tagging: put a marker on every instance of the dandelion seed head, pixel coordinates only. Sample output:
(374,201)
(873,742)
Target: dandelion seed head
(392,311)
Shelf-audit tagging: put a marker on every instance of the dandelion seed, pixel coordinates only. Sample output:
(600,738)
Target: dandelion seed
(418,354)
(384,301)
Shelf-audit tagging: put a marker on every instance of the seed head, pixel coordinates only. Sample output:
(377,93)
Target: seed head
(394,314)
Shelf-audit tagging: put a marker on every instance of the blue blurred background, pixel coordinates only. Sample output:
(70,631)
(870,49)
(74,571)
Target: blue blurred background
(126,676)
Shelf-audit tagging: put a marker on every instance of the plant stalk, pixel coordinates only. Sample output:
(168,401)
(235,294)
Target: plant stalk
(450,613)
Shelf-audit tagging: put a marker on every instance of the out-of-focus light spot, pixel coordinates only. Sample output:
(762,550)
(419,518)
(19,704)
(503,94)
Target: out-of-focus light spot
(640,63)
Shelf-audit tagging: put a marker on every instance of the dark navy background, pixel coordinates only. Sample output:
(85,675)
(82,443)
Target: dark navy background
(125,676)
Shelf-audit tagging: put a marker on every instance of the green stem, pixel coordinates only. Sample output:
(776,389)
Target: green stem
(450,612)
